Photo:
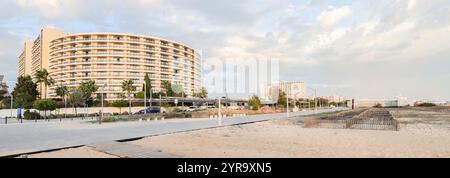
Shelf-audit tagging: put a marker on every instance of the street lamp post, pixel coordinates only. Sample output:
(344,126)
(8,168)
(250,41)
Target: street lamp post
(101,116)
(160,104)
(182,97)
(12,100)
(65,107)
(287,100)
(315,98)
(151,97)
(220,113)
(145,97)
(12,96)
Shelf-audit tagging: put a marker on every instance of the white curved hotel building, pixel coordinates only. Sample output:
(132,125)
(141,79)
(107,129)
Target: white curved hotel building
(111,58)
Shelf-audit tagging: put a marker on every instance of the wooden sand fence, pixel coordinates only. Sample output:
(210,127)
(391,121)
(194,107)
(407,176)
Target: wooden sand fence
(368,120)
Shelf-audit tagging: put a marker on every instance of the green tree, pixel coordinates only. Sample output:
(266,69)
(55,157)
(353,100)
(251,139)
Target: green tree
(3,91)
(140,95)
(25,92)
(147,86)
(43,77)
(119,104)
(255,102)
(45,105)
(203,93)
(76,98)
(87,88)
(167,88)
(127,85)
(281,99)
(62,91)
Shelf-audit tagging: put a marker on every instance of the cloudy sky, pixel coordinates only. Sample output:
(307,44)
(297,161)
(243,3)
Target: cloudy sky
(362,49)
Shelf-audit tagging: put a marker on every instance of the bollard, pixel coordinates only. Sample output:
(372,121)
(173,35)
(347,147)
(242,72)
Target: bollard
(6,120)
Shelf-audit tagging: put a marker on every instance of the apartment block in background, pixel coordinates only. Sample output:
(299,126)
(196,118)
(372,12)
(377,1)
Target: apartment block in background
(25,59)
(294,90)
(36,53)
(40,51)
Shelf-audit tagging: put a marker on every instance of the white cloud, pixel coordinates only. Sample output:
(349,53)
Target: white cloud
(326,40)
(368,27)
(371,49)
(412,4)
(332,15)
(47,8)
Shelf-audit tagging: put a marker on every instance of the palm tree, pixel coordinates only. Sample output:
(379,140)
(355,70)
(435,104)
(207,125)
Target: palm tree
(76,98)
(63,91)
(87,88)
(127,85)
(42,77)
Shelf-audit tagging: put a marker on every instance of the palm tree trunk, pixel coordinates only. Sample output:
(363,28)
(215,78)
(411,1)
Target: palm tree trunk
(129,103)
(45,89)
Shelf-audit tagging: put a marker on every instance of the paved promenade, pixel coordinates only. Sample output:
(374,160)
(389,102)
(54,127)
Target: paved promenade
(34,137)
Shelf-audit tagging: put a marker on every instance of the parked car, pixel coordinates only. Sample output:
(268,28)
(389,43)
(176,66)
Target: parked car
(149,110)
(192,109)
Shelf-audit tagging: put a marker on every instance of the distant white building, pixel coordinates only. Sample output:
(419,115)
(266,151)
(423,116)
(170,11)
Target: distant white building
(294,90)
(398,101)
(3,86)
(335,99)
(437,103)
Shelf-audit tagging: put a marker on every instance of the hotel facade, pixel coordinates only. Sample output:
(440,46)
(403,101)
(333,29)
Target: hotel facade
(110,58)
(294,90)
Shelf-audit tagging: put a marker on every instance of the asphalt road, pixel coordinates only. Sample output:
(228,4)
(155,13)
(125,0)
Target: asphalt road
(34,137)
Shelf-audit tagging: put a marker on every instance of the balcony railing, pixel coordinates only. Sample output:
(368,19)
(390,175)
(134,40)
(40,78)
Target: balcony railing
(108,62)
(103,54)
(125,40)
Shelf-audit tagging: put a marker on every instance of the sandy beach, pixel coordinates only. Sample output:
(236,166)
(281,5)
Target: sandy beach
(81,152)
(423,133)
(278,139)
